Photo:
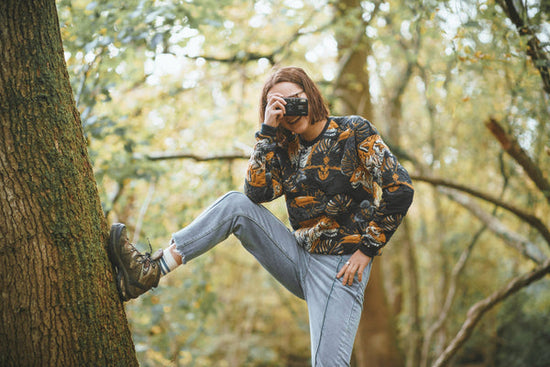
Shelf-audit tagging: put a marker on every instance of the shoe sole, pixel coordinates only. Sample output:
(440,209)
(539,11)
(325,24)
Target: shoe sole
(114,254)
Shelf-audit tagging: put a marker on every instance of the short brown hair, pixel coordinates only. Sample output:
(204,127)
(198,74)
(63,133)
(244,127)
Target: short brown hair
(318,110)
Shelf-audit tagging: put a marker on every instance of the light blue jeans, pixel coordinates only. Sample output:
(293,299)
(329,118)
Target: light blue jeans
(334,309)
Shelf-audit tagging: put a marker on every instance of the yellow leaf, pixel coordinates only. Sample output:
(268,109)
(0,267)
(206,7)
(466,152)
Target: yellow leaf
(155,330)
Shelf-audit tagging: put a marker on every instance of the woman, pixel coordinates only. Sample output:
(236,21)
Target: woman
(327,168)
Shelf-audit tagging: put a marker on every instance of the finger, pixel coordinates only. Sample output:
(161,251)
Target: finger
(276,98)
(353,275)
(345,279)
(344,269)
(356,270)
(360,273)
(341,272)
(273,112)
(348,278)
(277,107)
(277,112)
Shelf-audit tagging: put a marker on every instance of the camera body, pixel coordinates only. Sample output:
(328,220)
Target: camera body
(296,107)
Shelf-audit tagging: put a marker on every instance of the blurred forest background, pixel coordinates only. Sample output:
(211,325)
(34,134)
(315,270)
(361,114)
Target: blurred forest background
(168,93)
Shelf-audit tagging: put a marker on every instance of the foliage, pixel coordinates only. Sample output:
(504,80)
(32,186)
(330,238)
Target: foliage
(523,329)
(178,76)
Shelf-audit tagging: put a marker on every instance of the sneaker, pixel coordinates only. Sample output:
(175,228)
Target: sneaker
(136,272)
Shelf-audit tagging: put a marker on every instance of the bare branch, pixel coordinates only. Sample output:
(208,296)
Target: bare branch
(512,147)
(117,195)
(239,57)
(529,218)
(85,73)
(449,298)
(480,308)
(159,156)
(513,239)
(243,57)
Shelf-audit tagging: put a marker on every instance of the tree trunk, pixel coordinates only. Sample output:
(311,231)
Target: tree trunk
(352,84)
(413,343)
(376,341)
(58,302)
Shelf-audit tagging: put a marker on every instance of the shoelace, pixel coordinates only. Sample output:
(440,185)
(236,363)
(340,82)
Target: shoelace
(146,257)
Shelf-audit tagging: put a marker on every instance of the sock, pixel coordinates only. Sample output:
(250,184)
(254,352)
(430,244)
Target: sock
(167,262)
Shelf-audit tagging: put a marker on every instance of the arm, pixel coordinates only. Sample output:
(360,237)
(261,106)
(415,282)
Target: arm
(262,181)
(395,183)
(263,175)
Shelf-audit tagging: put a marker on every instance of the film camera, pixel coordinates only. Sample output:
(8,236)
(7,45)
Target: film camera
(296,107)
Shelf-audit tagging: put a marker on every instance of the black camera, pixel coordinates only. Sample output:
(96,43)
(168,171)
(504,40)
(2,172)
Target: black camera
(296,107)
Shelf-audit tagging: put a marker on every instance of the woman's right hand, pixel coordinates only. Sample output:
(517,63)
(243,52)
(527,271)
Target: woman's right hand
(274,110)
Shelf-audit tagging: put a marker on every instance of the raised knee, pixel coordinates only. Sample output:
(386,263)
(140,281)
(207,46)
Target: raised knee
(237,199)
(235,195)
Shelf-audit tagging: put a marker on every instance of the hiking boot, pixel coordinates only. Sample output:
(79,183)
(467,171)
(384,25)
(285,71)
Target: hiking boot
(136,272)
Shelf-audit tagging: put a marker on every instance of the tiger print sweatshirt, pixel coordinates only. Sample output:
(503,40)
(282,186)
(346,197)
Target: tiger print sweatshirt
(345,191)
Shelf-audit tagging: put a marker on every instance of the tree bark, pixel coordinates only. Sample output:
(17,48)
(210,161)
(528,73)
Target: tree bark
(352,83)
(58,302)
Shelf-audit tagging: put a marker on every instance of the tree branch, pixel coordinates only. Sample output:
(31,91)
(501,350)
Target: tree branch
(118,194)
(239,57)
(512,147)
(449,298)
(525,216)
(529,218)
(159,156)
(480,308)
(513,239)
(243,57)
(534,49)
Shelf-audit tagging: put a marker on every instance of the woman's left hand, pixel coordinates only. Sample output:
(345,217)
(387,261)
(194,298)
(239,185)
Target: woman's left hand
(356,264)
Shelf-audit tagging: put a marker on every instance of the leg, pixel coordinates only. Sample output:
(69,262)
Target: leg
(334,310)
(260,232)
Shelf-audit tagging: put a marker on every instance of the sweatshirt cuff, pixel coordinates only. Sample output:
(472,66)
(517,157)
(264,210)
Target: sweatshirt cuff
(268,130)
(369,251)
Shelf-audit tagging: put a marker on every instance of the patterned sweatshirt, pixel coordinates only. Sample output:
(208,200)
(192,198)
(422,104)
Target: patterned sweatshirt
(330,185)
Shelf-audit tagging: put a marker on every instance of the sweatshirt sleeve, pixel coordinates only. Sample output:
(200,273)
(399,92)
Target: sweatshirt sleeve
(263,175)
(396,185)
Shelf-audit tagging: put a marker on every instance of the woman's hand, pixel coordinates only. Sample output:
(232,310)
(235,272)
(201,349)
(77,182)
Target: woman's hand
(356,264)
(274,110)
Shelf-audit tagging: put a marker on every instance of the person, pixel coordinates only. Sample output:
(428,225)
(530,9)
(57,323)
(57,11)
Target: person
(328,169)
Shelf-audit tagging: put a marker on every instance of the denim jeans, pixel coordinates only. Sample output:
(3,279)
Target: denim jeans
(334,309)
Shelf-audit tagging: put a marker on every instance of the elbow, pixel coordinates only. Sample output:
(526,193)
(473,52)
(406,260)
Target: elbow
(253,194)
(401,199)
(255,199)
(406,194)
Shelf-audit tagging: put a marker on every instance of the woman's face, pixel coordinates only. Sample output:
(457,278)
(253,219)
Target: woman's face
(296,124)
